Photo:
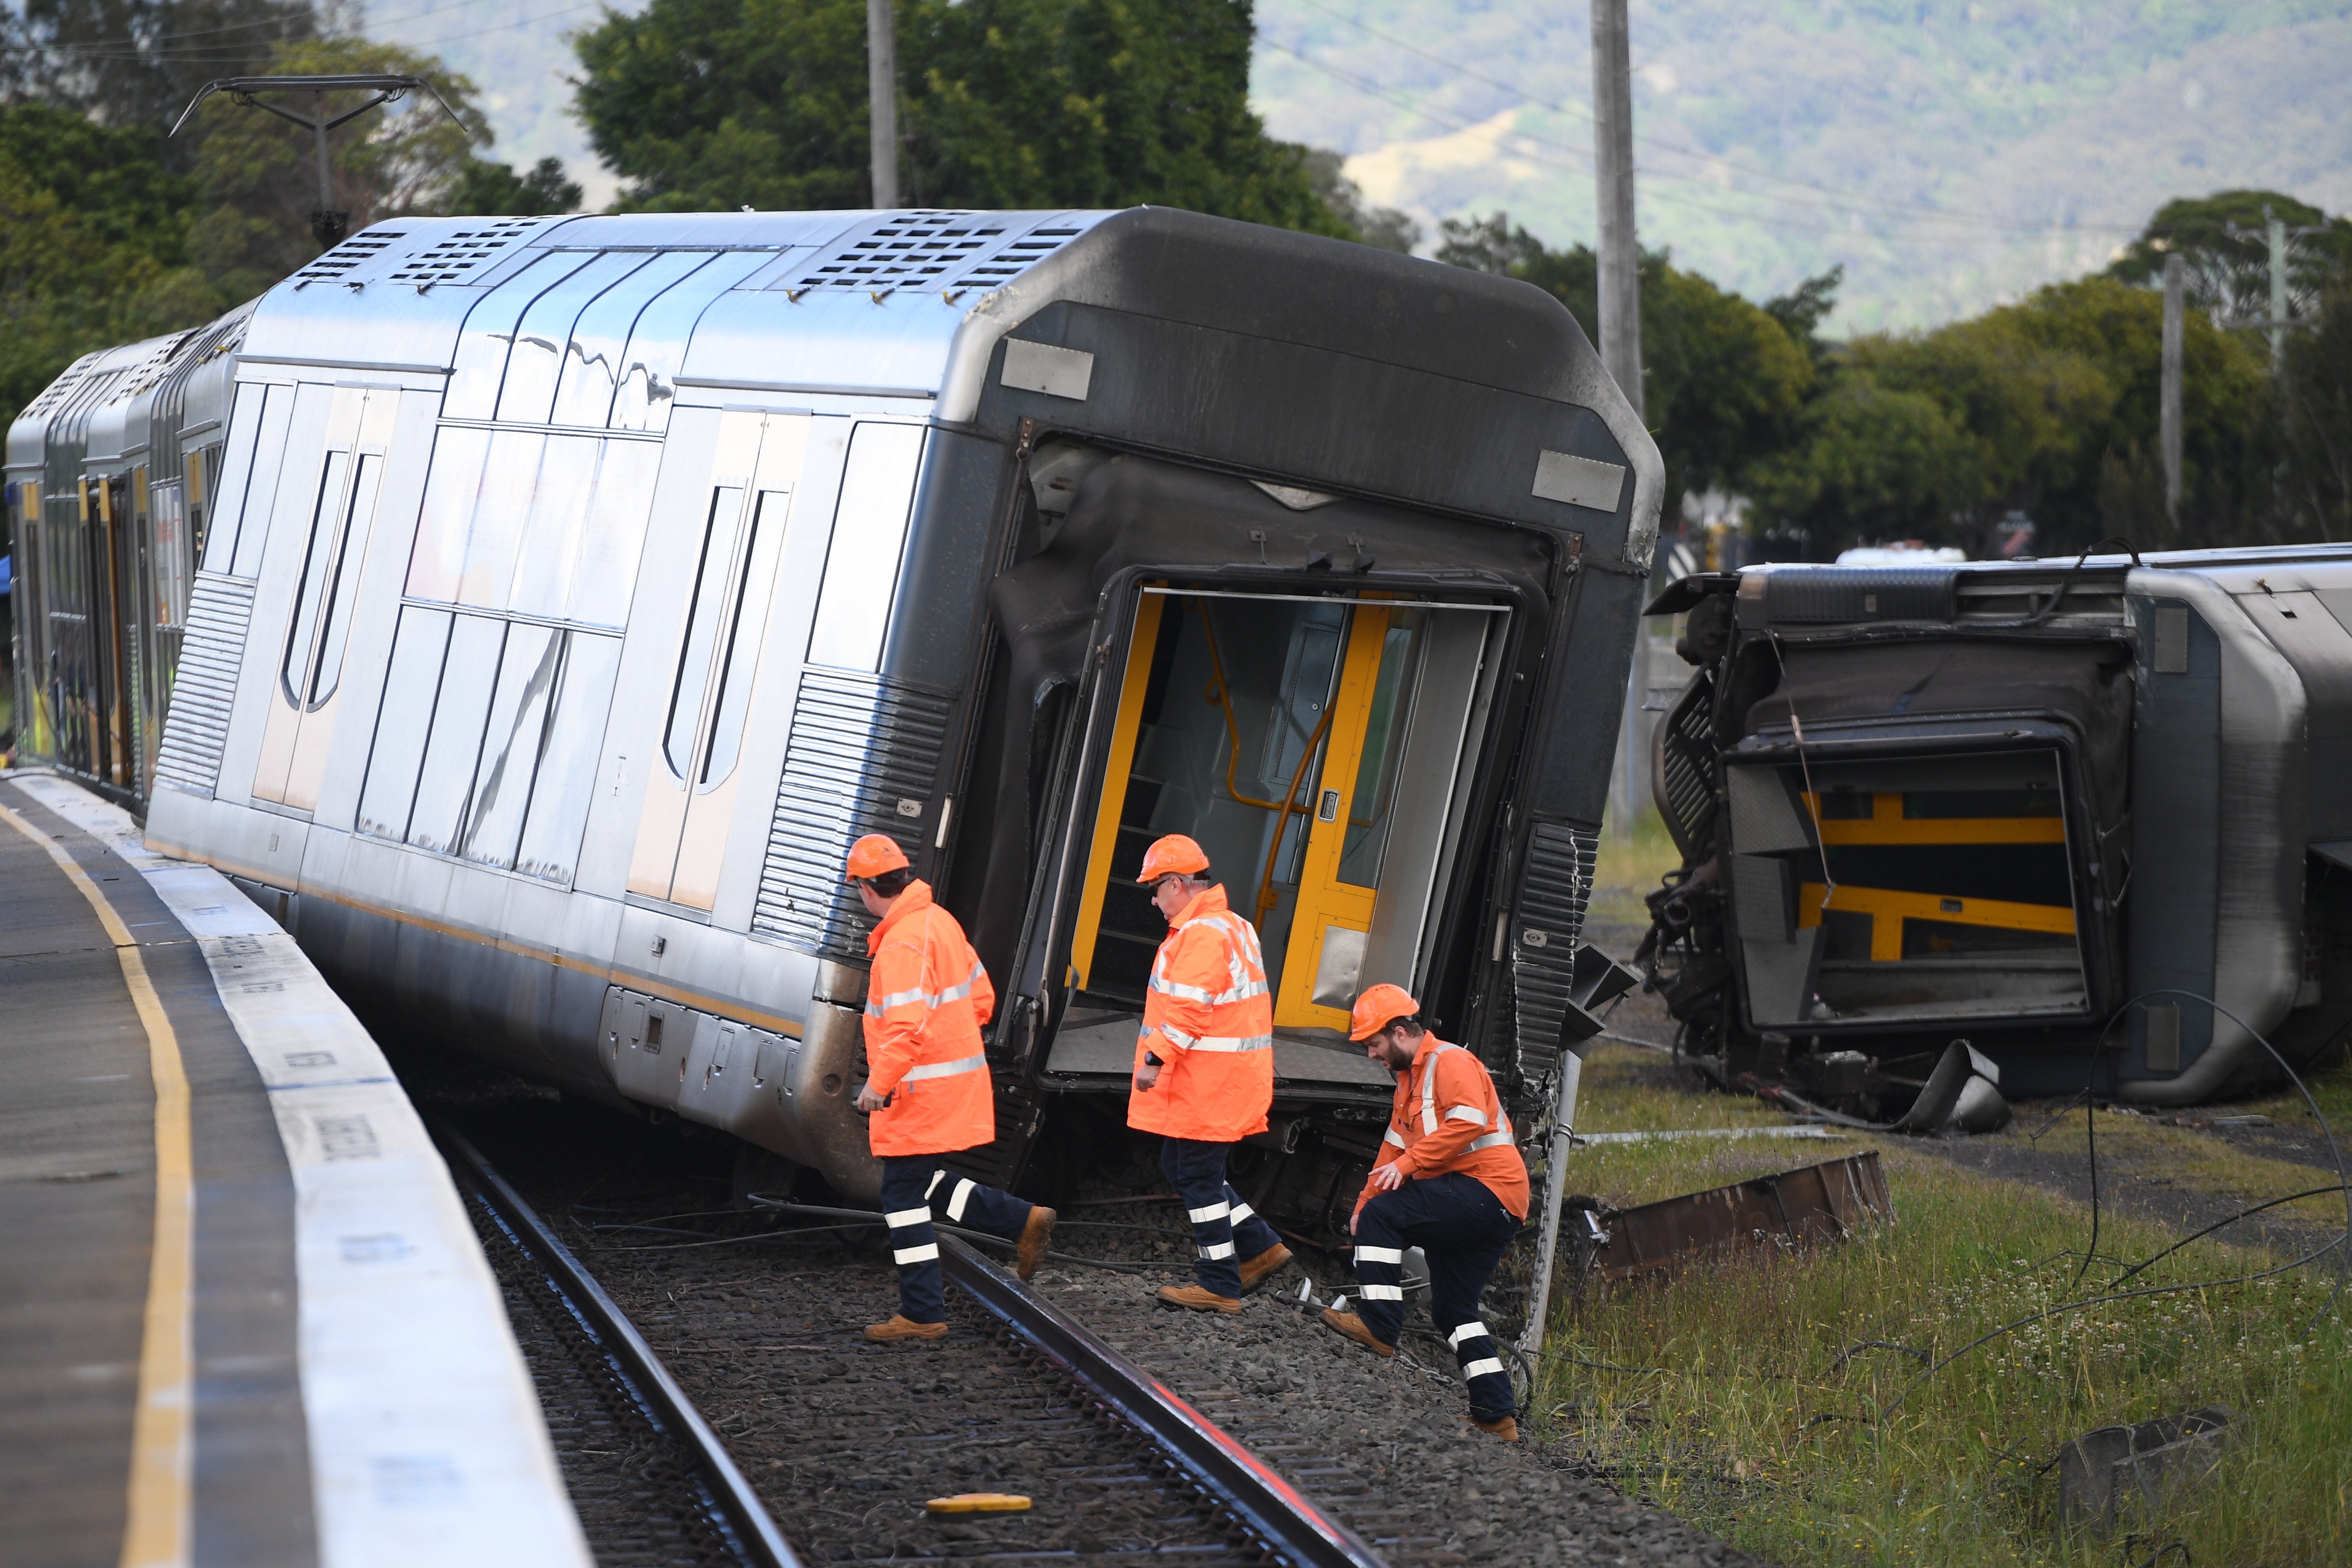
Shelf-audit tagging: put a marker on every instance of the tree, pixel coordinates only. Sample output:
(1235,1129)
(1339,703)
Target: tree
(2315,411)
(138,63)
(258,178)
(1723,382)
(92,245)
(714,104)
(1385,227)
(494,190)
(2221,239)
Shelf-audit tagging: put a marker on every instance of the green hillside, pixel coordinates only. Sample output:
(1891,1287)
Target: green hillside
(1949,155)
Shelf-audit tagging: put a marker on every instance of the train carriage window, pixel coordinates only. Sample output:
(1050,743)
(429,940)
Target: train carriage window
(236,476)
(738,660)
(591,368)
(452,486)
(649,365)
(411,683)
(445,781)
(342,594)
(511,745)
(261,495)
(542,339)
(604,575)
(549,543)
(715,584)
(318,564)
(481,359)
(567,771)
(501,513)
(869,531)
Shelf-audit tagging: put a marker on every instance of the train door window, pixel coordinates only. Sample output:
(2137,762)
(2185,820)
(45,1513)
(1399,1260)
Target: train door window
(252,413)
(869,532)
(657,340)
(689,803)
(480,363)
(1313,749)
(583,396)
(261,495)
(342,514)
(542,339)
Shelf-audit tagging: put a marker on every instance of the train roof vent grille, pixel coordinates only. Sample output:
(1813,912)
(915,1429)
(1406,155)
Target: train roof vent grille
(931,253)
(349,255)
(57,390)
(457,258)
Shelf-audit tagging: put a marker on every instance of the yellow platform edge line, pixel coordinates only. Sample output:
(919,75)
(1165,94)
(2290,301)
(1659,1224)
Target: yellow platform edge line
(156,1531)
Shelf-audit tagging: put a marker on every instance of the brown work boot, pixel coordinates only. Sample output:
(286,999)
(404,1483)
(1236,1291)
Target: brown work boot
(1352,1325)
(1255,1269)
(1200,1298)
(900,1327)
(1030,1250)
(1507,1428)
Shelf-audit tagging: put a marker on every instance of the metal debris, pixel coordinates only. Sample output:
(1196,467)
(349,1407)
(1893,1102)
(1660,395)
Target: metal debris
(1792,1208)
(2116,1471)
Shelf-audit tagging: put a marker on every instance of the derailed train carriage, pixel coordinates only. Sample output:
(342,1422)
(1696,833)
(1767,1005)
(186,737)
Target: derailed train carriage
(567,594)
(2094,817)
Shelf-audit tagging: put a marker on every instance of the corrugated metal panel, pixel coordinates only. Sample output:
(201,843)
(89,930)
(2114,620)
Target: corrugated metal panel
(1687,765)
(196,729)
(1839,594)
(1553,892)
(860,745)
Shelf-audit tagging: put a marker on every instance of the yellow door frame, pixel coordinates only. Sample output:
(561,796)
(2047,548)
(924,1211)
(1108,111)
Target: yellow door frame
(1324,901)
(1112,804)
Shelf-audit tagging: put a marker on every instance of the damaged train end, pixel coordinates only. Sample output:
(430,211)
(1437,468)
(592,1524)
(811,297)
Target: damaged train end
(546,604)
(2087,815)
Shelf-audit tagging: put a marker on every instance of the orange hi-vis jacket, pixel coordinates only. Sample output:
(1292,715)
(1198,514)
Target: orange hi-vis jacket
(926,998)
(1210,1018)
(1446,1118)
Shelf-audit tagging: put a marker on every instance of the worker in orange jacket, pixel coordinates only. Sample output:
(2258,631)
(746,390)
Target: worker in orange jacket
(1204,1071)
(1449,1180)
(928,1088)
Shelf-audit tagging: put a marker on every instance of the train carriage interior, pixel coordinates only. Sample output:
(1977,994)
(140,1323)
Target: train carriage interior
(1315,747)
(1906,889)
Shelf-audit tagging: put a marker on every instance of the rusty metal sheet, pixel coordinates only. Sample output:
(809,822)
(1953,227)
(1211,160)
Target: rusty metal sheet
(1822,1202)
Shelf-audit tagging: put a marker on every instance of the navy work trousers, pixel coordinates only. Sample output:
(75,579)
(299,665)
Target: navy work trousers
(915,1188)
(1462,1227)
(1220,1218)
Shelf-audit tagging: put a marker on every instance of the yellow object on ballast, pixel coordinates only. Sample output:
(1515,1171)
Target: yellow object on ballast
(980,1502)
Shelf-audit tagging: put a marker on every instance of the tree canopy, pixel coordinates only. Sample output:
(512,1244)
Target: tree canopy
(714,104)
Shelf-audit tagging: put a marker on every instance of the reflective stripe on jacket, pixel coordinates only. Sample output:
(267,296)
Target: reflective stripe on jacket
(1210,1018)
(926,998)
(1446,1117)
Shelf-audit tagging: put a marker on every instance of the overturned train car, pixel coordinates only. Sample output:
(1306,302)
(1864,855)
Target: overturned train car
(2092,818)
(567,594)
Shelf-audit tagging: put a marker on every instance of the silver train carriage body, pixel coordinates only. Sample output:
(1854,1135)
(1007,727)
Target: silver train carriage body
(2092,820)
(577,589)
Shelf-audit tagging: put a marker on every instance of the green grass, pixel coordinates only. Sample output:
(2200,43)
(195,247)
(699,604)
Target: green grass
(1743,1405)
(1629,868)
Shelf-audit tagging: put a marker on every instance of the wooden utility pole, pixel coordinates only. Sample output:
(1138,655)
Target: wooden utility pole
(2169,387)
(1621,339)
(882,89)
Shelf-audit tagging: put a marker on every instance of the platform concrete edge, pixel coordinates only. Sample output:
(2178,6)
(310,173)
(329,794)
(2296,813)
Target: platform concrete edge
(427,1443)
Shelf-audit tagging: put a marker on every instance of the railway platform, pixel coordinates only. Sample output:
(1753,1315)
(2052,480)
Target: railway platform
(243,1317)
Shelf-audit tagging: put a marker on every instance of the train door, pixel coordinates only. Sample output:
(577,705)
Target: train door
(302,704)
(1314,748)
(690,798)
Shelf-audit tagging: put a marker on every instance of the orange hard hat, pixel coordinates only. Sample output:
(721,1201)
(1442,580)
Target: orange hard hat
(1377,1007)
(874,854)
(1174,855)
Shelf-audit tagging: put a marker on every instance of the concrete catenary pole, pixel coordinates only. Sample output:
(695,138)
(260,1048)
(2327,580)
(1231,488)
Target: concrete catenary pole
(1620,338)
(882,91)
(2168,386)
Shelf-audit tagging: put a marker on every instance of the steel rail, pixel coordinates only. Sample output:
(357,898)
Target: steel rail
(727,1496)
(1281,1519)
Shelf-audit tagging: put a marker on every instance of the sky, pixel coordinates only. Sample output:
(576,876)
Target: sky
(1949,154)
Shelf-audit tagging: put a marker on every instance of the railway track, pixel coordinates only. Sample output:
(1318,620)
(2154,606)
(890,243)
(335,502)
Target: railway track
(1121,1468)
